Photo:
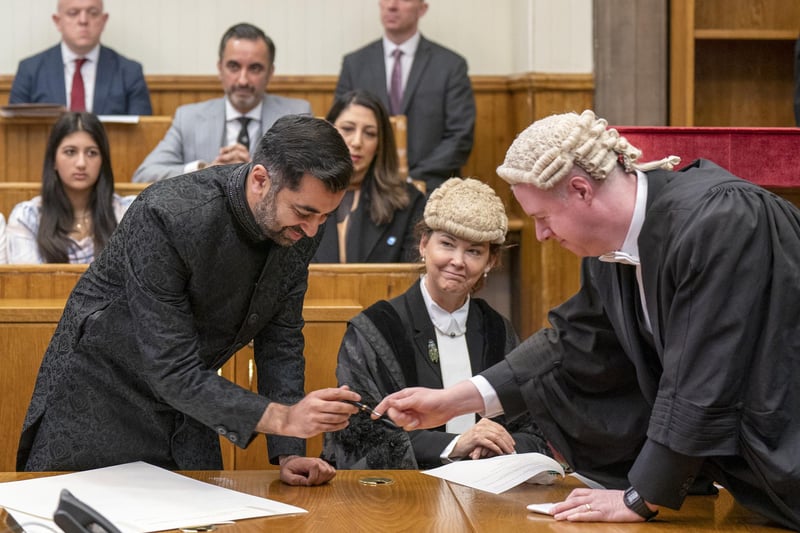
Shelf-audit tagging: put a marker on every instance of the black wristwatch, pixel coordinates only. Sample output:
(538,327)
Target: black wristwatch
(636,503)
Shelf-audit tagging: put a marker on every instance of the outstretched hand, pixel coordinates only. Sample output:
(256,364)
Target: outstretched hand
(422,408)
(319,411)
(594,505)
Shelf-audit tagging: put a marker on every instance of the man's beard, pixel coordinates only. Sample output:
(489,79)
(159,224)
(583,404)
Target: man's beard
(265,213)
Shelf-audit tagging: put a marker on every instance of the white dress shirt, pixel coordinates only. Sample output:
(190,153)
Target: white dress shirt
(232,127)
(454,361)
(88,72)
(409,49)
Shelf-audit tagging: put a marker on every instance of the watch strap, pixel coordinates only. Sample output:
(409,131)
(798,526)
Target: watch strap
(636,503)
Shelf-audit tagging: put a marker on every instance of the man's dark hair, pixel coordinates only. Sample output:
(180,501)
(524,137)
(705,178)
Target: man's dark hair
(243,30)
(301,144)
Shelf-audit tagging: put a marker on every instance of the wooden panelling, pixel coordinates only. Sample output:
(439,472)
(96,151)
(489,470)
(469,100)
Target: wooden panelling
(362,283)
(38,281)
(23,345)
(23,142)
(744,83)
(547,274)
(505,106)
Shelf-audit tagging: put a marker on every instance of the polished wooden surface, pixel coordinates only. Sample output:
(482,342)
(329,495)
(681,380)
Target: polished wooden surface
(418,502)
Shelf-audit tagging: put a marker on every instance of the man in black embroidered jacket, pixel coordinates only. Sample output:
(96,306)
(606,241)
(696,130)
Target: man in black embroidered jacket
(200,265)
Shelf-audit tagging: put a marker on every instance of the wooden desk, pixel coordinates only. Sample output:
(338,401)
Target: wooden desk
(417,502)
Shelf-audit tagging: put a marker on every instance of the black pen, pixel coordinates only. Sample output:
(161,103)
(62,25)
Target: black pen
(369,410)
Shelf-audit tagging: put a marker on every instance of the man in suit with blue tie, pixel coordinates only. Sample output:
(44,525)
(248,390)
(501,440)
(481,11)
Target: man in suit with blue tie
(225,130)
(79,72)
(422,80)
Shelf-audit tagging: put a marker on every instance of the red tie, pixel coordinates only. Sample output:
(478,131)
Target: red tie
(78,98)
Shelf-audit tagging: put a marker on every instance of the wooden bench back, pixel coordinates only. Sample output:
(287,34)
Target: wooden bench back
(14,192)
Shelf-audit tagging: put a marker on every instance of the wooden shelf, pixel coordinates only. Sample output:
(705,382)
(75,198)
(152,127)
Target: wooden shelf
(745,34)
(732,62)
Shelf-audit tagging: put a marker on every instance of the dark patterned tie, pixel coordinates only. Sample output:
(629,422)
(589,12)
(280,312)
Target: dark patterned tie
(244,137)
(77,100)
(396,90)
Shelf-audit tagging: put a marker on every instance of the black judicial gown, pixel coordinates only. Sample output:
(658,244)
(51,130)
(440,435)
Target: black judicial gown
(714,389)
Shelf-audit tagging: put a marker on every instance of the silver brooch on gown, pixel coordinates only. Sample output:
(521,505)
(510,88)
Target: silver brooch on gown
(433,352)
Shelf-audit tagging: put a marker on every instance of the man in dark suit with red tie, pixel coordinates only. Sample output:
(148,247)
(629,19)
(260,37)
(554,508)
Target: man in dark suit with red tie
(431,87)
(79,72)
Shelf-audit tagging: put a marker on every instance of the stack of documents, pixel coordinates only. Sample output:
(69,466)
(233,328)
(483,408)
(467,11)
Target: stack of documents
(136,497)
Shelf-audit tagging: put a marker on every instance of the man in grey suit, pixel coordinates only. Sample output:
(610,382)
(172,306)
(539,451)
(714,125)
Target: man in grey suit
(80,73)
(224,130)
(434,91)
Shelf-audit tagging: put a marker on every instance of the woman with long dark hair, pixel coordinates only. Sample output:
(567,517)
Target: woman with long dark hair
(78,210)
(375,221)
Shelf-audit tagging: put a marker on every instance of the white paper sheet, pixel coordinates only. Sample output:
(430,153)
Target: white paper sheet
(541,508)
(500,473)
(119,119)
(138,497)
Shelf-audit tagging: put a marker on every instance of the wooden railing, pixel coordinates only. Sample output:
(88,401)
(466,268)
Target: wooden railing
(23,141)
(14,192)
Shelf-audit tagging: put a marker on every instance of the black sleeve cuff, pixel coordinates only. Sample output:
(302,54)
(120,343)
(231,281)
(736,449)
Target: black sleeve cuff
(278,445)
(662,476)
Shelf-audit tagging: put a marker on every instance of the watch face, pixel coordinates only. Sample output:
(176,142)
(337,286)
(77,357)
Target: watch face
(635,503)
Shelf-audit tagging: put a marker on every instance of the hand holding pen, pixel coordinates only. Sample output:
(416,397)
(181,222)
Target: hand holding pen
(370,411)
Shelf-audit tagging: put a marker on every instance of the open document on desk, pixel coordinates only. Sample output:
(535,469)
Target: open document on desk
(137,497)
(500,473)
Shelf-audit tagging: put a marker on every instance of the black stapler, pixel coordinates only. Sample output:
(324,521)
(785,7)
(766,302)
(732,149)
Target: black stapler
(74,516)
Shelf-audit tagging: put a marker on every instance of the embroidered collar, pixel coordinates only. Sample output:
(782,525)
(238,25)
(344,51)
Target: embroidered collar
(235,191)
